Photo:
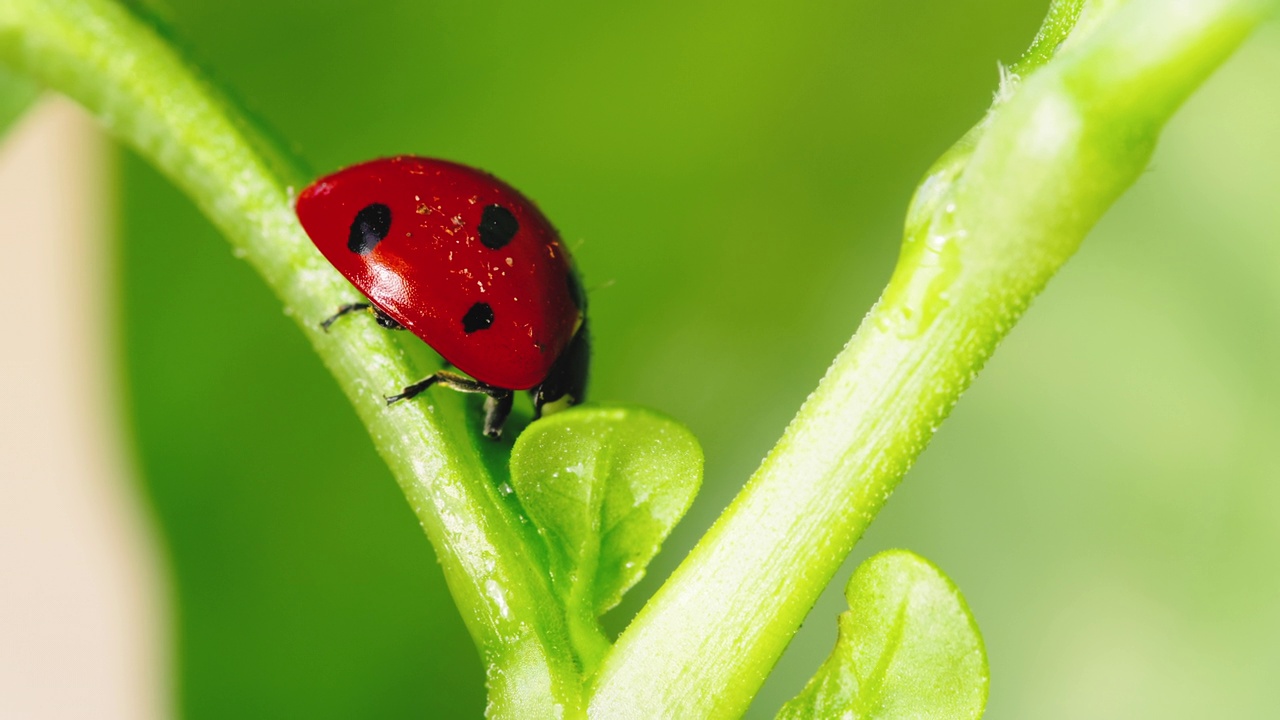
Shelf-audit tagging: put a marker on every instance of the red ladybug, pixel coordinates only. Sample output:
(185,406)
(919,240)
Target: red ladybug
(465,262)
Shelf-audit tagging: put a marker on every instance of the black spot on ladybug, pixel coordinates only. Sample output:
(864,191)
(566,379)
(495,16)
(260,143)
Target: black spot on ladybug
(369,228)
(479,317)
(497,227)
(575,290)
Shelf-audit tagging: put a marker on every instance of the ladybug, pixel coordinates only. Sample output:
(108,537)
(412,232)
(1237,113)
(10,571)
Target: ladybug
(466,263)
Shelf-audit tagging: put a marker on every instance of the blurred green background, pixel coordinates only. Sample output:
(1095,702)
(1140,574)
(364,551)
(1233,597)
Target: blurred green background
(732,179)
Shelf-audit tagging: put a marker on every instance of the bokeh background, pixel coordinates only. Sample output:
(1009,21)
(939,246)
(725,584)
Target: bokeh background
(732,179)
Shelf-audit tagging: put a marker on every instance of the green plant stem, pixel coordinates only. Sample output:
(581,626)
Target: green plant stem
(140,88)
(991,223)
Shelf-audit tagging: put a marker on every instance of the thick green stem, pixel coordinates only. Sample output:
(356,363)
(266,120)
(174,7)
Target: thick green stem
(147,95)
(995,219)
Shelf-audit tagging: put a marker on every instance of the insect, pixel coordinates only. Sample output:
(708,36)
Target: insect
(466,263)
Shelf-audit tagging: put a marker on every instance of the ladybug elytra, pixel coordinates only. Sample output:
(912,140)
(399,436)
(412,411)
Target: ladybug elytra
(466,263)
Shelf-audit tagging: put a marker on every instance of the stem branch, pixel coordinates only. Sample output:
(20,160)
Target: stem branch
(146,94)
(990,224)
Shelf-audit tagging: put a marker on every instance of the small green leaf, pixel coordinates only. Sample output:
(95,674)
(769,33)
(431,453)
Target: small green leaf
(604,486)
(908,648)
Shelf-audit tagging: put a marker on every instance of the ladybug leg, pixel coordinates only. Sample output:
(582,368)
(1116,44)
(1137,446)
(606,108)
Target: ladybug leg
(449,380)
(497,406)
(386,320)
(344,310)
(496,410)
(382,318)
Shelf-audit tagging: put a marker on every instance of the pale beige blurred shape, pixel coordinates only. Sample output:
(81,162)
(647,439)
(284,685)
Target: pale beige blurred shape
(82,611)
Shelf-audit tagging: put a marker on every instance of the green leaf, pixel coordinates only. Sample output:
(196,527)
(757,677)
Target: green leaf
(908,648)
(604,486)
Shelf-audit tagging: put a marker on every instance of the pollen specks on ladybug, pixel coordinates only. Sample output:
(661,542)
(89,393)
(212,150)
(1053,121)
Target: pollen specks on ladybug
(479,317)
(497,227)
(422,208)
(370,226)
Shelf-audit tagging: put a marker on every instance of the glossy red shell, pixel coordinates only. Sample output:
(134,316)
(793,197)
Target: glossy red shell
(431,268)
